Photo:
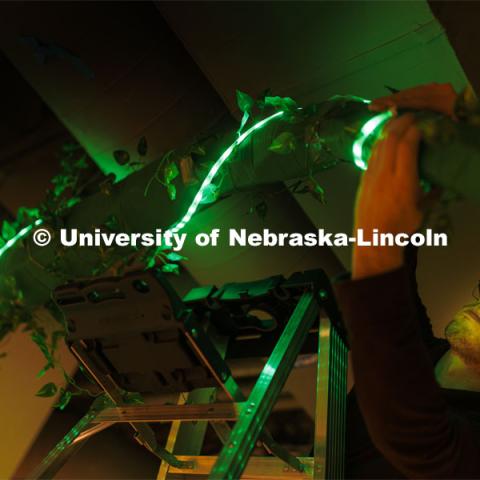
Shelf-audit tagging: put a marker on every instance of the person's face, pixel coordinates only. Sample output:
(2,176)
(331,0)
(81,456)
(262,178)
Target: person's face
(463,334)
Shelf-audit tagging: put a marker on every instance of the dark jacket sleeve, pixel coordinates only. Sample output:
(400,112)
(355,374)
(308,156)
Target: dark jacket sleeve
(423,321)
(402,405)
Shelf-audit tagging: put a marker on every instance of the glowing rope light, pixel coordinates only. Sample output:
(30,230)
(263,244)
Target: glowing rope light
(21,234)
(214,170)
(196,201)
(372,126)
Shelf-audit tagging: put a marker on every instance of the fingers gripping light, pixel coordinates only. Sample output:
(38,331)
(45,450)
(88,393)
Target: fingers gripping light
(371,128)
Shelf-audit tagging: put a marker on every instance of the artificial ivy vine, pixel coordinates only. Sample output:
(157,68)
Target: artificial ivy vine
(191,165)
(287,141)
(78,177)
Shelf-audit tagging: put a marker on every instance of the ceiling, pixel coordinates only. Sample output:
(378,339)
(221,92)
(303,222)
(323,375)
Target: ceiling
(171,69)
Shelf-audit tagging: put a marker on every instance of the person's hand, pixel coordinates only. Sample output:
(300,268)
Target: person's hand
(437,97)
(389,197)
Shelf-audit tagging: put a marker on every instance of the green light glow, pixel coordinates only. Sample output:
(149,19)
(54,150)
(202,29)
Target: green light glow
(372,127)
(196,201)
(21,234)
(214,170)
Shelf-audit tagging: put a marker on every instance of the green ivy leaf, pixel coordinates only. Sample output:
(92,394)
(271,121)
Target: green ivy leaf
(122,157)
(27,215)
(244,121)
(245,102)
(64,399)
(40,339)
(44,370)
(172,191)
(175,257)
(48,390)
(142,147)
(171,268)
(171,172)
(261,98)
(286,104)
(284,144)
(151,262)
(72,201)
(8,230)
(317,192)
(61,182)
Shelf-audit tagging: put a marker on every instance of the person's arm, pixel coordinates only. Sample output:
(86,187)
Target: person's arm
(442,98)
(402,405)
(422,318)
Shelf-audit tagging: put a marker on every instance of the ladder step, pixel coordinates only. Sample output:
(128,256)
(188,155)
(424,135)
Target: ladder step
(261,468)
(213,412)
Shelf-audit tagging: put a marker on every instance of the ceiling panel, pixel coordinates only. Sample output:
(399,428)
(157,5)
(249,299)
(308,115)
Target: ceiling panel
(311,50)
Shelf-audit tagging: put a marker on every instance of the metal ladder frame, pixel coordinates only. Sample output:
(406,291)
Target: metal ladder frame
(234,460)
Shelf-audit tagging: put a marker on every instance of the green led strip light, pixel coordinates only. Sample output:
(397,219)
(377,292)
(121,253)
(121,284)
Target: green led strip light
(214,170)
(197,199)
(21,234)
(371,127)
